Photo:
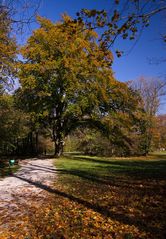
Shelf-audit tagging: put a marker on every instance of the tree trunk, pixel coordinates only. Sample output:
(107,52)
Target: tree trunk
(59,143)
(36,143)
(58,136)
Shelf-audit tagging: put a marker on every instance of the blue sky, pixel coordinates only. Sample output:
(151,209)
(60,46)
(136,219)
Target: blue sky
(132,65)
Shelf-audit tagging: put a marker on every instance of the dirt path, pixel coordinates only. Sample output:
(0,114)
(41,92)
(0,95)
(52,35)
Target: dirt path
(17,190)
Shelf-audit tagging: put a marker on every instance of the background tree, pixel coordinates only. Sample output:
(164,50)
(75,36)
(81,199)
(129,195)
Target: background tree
(35,141)
(7,49)
(152,91)
(15,17)
(88,141)
(160,143)
(13,125)
(21,13)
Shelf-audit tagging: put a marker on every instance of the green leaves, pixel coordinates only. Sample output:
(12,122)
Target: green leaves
(13,124)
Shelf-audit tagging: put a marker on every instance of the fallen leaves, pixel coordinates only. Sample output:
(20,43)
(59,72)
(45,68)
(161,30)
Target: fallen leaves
(80,207)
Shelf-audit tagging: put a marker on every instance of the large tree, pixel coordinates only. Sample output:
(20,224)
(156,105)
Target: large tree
(66,73)
(67,80)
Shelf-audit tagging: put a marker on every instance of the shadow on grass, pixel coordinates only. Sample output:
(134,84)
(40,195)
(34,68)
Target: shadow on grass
(152,170)
(78,173)
(137,169)
(122,218)
(109,173)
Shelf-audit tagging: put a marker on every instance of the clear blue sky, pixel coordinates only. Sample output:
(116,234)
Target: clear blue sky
(132,65)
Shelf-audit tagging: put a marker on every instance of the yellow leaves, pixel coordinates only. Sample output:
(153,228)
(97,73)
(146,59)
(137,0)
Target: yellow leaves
(28,82)
(49,48)
(66,18)
(91,33)
(44,22)
(84,44)
(8,50)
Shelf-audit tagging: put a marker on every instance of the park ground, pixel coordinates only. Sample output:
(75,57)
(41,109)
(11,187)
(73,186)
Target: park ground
(80,196)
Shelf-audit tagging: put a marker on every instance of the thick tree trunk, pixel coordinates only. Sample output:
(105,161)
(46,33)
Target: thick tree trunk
(59,143)
(58,131)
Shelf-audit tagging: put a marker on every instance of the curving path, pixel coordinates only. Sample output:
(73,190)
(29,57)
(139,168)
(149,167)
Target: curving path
(17,189)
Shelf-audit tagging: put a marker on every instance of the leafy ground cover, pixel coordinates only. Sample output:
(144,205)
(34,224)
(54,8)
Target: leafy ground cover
(113,198)
(95,197)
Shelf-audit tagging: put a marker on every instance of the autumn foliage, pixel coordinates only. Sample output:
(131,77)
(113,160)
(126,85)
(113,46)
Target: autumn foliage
(93,197)
(67,80)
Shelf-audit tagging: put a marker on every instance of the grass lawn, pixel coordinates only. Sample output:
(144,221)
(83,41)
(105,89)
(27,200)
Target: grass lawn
(111,198)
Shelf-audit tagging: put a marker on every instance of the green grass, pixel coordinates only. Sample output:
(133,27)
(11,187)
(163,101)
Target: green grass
(5,170)
(108,168)
(112,197)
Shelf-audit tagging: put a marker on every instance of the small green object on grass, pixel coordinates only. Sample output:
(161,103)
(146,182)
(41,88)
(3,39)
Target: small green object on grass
(11,162)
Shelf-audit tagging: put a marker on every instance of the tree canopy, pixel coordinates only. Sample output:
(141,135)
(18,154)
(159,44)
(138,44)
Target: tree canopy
(66,77)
